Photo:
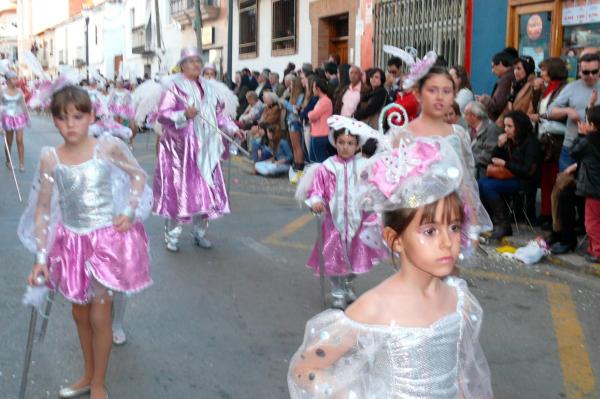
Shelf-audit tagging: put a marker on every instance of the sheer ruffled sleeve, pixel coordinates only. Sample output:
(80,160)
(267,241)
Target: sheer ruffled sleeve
(38,223)
(131,194)
(476,217)
(336,360)
(474,375)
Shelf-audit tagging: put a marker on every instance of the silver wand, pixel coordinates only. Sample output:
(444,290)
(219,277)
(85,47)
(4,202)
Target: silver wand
(12,167)
(40,280)
(319,219)
(222,133)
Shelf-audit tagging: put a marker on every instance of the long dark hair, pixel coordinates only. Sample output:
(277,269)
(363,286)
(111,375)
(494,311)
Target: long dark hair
(523,127)
(462,74)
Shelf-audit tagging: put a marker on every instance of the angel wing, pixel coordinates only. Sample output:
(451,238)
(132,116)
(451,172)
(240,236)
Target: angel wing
(34,65)
(406,57)
(353,126)
(146,98)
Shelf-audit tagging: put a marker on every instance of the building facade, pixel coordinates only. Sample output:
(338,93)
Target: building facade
(8,30)
(270,34)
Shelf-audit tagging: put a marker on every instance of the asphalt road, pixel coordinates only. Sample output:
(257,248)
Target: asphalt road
(223,323)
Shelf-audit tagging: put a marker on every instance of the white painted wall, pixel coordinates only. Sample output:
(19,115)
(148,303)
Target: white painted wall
(46,14)
(265,59)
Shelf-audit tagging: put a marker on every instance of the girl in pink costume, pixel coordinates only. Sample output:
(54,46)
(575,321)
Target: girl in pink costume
(330,189)
(14,116)
(83,222)
(121,106)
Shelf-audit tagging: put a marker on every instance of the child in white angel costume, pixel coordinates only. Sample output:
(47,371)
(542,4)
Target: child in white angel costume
(416,334)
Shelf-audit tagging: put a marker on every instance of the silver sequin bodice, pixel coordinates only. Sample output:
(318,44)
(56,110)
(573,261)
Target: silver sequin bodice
(422,362)
(85,199)
(12,105)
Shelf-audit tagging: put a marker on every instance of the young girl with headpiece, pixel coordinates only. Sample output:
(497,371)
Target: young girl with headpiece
(434,88)
(83,222)
(330,189)
(14,117)
(416,334)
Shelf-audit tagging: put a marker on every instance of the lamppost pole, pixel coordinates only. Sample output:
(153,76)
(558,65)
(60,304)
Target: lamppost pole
(198,23)
(87,46)
(230,43)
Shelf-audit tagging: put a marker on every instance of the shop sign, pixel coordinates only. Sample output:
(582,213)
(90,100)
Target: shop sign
(577,12)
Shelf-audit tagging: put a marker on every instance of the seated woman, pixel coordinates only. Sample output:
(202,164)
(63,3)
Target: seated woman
(278,145)
(253,111)
(515,167)
(271,115)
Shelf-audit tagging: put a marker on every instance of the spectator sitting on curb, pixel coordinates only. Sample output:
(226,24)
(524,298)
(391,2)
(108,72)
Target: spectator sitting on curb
(281,153)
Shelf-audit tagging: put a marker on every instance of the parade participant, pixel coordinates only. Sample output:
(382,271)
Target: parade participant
(83,222)
(330,189)
(416,334)
(188,181)
(99,101)
(435,91)
(209,71)
(120,106)
(14,117)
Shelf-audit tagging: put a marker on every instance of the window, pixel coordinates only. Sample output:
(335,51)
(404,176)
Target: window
(132,17)
(248,25)
(284,27)
(424,25)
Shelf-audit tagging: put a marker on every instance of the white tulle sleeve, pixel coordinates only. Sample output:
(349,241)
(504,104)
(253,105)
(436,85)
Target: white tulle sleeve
(336,359)
(476,217)
(38,222)
(474,375)
(129,188)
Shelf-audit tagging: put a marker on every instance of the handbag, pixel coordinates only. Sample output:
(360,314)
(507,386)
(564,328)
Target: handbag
(547,126)
(498,172)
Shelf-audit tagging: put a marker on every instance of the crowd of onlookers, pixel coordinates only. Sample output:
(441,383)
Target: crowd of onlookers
(535,130)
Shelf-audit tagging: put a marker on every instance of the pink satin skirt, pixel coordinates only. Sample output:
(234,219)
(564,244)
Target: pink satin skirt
(119,261)
(15,122)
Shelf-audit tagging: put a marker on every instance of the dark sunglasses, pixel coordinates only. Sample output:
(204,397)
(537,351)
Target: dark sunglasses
(591,72)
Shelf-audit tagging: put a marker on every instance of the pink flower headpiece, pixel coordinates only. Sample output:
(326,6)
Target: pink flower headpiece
(418,67)
(416,173)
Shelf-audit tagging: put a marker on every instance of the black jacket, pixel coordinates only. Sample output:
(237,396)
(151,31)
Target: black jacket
(586,151)
(371,103)
(523,161)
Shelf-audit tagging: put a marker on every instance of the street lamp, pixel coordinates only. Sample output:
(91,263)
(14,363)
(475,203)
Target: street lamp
(86,14)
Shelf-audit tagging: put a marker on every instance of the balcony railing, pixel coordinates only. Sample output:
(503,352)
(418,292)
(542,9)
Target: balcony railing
(184,11)
(139,44)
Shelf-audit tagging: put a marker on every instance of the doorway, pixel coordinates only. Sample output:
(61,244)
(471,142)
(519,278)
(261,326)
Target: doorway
(334,32)
(533,29)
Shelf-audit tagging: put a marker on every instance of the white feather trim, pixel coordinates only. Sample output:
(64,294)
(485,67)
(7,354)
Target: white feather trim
(35,296)
(146,98)
(306,182)
(224,96)
(405,56)
(34,65)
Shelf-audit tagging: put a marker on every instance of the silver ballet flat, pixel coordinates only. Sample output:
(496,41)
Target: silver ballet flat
(69,392)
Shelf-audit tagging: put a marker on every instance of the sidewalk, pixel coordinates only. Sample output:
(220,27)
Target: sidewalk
(573,261)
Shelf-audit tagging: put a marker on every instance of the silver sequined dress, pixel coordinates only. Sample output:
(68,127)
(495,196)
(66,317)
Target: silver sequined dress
(341,358)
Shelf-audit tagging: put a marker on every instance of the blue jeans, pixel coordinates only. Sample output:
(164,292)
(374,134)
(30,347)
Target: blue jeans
(492,189)
(565,159)
(258,151)
(319,149)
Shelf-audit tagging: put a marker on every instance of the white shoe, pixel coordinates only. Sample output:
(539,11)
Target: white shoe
(338,300)
(119,336)
(172,246)
(202,242)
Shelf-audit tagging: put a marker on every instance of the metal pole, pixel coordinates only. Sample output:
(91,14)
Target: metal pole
(198,19)
(319,220)
(230,43)
(87,46)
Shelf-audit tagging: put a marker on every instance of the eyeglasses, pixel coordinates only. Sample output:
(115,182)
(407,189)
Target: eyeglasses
(590,72)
